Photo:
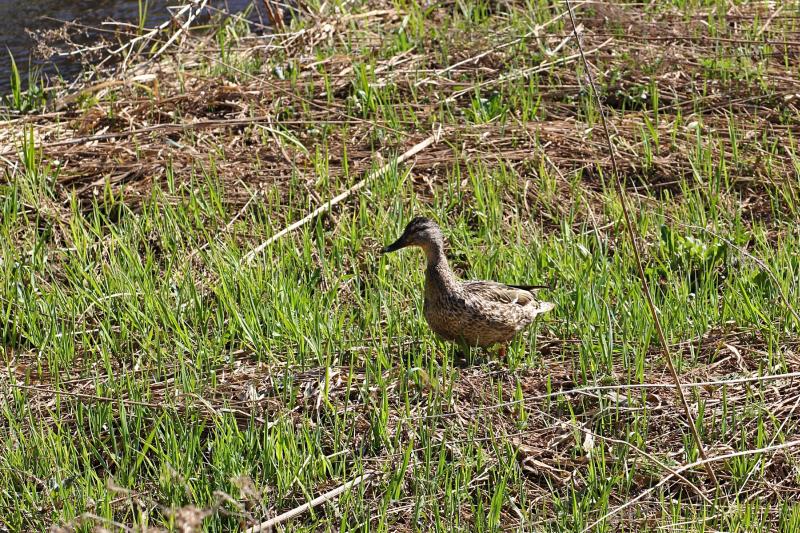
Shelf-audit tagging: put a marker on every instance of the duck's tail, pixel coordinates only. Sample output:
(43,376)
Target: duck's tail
(530,287)
(542,307)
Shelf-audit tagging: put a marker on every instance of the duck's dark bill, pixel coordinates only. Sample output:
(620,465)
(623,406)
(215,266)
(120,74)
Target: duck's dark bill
(396,245)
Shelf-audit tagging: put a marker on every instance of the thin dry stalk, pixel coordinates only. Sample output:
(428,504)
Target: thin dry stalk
(543,67)
(643,453)
(756,466)
(88,397)
(275,15)
(634,243)
(474,59)
(288,515)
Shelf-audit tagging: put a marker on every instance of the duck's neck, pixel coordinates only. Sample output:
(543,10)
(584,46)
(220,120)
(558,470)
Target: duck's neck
(438,275)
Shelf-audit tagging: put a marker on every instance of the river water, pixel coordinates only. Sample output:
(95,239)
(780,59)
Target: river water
(18,18)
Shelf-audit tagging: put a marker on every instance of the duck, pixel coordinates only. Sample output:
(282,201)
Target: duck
(468,313)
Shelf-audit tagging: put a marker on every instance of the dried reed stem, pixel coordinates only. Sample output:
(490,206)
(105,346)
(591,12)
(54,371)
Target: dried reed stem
(645,286)
(288,515)
(411,152)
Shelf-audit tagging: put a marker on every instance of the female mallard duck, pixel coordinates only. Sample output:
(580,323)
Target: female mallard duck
(470,313)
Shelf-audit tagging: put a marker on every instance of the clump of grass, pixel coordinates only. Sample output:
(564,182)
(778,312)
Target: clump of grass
(24,99)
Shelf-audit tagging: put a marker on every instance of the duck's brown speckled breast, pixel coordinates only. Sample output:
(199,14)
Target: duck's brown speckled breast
(444,318)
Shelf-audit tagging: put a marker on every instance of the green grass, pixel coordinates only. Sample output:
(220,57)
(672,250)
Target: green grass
(151,377)
(29,99)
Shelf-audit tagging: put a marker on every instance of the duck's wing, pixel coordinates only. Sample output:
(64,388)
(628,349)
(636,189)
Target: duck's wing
(501,293)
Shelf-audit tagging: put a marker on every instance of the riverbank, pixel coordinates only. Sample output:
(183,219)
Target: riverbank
(199,330)
(43,36)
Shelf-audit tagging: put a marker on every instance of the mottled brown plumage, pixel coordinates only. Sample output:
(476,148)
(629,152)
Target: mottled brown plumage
(470,313)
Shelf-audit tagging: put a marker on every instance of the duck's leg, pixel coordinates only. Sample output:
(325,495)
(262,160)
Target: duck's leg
(501,351)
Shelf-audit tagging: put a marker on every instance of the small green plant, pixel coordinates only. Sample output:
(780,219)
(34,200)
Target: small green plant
(23,100)
(142,11)
(483,110)
(233,62)
(691,258)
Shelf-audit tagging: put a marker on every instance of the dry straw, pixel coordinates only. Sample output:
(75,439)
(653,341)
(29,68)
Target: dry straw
(645,286)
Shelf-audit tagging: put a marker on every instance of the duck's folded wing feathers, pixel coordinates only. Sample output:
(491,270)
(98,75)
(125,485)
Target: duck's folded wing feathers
(498,292)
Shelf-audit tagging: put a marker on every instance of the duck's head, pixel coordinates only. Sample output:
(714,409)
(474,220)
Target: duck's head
(422,232)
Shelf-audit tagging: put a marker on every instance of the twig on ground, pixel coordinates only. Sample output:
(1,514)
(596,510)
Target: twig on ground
(227,227)
(89,397)
(411,152)
(643,453)
(769,21)
(288,515)
(598,388)
(534,32)
(756,466)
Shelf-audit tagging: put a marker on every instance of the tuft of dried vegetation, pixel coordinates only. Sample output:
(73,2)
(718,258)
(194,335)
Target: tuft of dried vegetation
(174,358)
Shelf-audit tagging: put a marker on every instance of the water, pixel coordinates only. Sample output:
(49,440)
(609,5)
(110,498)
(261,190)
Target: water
(19,17)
